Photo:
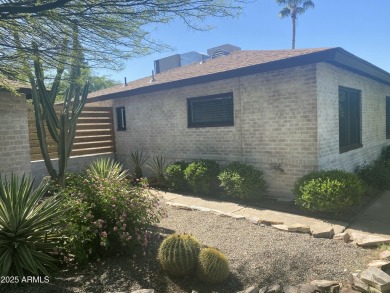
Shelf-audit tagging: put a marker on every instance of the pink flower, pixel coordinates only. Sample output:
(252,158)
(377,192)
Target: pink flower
(129,238)
(104,234)
(115,228)
(113,206)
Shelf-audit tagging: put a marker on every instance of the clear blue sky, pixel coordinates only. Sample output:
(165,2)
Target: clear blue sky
(360,27)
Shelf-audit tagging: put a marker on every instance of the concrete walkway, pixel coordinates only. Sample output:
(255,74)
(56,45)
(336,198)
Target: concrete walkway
(375,220)
(240,211)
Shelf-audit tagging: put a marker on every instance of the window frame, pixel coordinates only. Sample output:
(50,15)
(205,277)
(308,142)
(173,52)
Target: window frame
(359,144)
(120,114)
(192,124)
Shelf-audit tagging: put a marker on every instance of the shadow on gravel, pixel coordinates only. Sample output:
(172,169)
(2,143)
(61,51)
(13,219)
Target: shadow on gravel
(125,274)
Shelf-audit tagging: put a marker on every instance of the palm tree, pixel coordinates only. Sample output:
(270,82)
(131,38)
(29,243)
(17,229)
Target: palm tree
(292,9)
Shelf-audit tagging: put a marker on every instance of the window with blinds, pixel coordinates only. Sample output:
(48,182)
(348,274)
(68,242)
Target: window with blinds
(211,111)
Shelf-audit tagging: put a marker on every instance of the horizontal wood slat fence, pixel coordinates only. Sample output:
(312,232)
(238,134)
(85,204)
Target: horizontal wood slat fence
(94,133)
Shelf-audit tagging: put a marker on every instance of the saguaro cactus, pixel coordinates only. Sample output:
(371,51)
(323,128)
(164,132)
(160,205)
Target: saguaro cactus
(62,127)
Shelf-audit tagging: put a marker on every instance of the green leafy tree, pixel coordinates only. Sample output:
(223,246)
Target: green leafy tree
(69,36)
(293,8)
(111,32)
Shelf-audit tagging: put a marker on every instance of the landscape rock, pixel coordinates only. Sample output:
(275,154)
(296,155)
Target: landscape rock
(179,206)
(299,228)
(290,289)
(274,288)
(307,288)
(237,217)
(373,290)
(270,223)
(280,227)
(326,286)
(385,255)
(348,290)
(373,241)
(342,236)
(252,289)
(357,284)
(324,233)
(376,278)
(229,215)
(253,220)
(143,291)
(263,290)
(199,208)
(380,264)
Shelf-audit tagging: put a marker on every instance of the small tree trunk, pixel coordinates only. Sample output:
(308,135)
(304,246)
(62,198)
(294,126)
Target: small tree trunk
(294,18)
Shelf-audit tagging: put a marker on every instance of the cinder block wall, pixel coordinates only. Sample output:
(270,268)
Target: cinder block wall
(274,125)
(14,140)
(373,103)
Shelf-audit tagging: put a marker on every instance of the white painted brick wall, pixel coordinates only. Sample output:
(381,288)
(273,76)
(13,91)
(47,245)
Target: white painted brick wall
(14,140)
(275,123)
(373,101)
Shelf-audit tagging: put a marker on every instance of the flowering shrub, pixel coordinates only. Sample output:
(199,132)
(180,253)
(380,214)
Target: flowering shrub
(107,216)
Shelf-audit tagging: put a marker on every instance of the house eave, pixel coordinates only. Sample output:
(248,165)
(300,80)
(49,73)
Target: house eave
(336,56)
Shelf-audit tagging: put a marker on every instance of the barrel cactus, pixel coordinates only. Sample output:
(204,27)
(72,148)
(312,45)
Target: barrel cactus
(213,266)
(178,254)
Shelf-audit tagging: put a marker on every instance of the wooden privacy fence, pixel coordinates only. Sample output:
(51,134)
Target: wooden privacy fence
(94,133)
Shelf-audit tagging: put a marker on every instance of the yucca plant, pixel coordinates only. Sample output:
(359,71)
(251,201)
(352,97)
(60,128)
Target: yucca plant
(138,159)
(157,165)
(107,168)
(29,225)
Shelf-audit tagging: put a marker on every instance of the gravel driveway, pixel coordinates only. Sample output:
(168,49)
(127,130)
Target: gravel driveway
(258,256)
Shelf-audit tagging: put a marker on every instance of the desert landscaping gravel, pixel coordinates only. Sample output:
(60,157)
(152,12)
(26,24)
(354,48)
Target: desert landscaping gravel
(257,255)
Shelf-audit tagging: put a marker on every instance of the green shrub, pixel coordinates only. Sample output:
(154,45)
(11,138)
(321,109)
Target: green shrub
(213,266)
(107,168)
(29,228)
(106,216)
(202,176)
(242,180)
(376,174)
(328,191)
(178,254)
(175,176)
(385,155)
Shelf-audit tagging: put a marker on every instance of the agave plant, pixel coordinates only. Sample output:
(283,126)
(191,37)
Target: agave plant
(138,159)
(107,168)
(157,165)
(29,225)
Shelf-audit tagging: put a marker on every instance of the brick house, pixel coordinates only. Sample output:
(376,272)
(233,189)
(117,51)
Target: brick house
(14,138)
(287,112)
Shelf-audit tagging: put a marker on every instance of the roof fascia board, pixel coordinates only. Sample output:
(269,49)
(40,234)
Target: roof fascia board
(360,66)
